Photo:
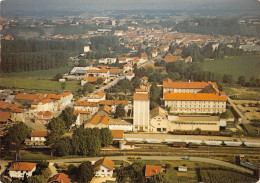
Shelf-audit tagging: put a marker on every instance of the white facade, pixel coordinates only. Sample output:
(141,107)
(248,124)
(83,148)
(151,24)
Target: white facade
(107,60)
(141,115)
(159,124)
(20,174)
(86,49)
(104,172)
(126,128)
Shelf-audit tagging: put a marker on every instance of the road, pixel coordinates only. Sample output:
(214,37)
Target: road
(244,119)
(171,158)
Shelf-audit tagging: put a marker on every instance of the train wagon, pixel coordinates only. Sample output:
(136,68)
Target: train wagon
(180,144)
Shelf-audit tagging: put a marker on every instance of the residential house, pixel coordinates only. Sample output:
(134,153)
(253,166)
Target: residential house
(128,67)
(37,138)
(23,98)
(44,117)
(104,168)
(103,73)
(130,75)
(91,107)
(115,103)
(115,72)
(19,169)
(126,145)
(92,80)
(107,60)
(60,178)
(151,170)
(82,116)
(5,117)
(17,114)
(96,97)
(61,101)
(43,105)
(97,122)
(158,120)
(117,135)
(105,110)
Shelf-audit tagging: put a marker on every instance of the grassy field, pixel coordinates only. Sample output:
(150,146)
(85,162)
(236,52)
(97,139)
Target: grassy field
(43,74)
(243,93)
(247,66)
(38,84)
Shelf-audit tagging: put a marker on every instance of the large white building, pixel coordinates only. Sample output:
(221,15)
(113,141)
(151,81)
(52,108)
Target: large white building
(141,112)
(193,97)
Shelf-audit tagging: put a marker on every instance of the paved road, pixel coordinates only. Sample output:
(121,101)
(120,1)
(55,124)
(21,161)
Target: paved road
(173,158)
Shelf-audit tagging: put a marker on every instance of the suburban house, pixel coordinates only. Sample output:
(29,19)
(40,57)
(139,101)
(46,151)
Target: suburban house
(44,117)
(97,122)
(60,178)
(158,120)
(151,170)
(104,168)
(117,135)
(91,107)
(37,138)
(19,169)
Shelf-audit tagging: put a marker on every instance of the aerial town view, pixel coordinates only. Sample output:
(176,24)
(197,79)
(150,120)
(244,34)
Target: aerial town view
(139,91)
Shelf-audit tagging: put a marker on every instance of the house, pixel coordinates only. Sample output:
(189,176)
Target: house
(104,168)
(115,72)
(4,117)
(120,124)
(117,135)
(151,170)
(97,122)
(169,59)
(91,107)
(43,105)
(188,59)
(81,116)
(17,114)
(61,101)
(60,178)
(130,76)
(44,117)
(92,80)
(19,169)
(103,73)
(96,97)
(115,103)
(37,138)
(158,120)
(107,60)
(23,98)
(104,110)
(128,67)
(126,145)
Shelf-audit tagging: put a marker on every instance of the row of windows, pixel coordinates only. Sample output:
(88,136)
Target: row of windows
(192,123)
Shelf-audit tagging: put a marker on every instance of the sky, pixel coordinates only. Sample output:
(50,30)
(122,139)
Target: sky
(83,5)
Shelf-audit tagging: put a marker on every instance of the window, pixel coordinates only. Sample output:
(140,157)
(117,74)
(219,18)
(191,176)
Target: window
(164,129)
(102,170)
(108,170)
(158,129)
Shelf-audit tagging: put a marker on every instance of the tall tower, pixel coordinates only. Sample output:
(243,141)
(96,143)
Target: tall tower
(141,111)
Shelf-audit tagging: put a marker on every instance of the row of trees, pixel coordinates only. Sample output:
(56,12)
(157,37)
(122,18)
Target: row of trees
(216,26)
(31,55)
(84,142)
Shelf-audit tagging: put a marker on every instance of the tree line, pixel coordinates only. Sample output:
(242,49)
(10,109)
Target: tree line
(32,55)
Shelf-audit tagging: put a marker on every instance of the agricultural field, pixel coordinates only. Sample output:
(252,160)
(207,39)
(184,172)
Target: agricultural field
(248,66)
(38,84)
(249,108)
(242,93)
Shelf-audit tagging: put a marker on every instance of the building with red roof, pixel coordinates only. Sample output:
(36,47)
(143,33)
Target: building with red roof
(19,169)
(104,168)
(151,170)
(60,178)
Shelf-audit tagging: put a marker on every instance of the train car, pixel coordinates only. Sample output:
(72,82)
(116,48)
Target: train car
(233,143)
(252,144)
(180,144)
(213,143)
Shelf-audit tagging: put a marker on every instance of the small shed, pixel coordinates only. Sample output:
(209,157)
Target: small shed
(183,168)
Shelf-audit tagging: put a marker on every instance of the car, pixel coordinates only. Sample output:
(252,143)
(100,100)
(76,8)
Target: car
(131,157)
(138,158)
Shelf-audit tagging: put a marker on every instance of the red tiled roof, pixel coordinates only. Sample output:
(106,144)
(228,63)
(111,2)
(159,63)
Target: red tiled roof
(98,71)
(105,162)
(22,166)
(199,85)
(61,178)
(23,96)
(38,133)
(86,103)
(113,102)
(150,170)
(4,116)
(117,134)
(43,101)
(54,96)
(93,79)
(194,97)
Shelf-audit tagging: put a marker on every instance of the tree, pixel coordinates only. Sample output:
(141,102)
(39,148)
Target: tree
(227,78)
(63,85)
(68,117)
(120,111)
(89,88)
(136,82)
(160,178)
(62,147)
(241,80)
(85,172)
(16,135)
(133,173)
(82,63)
(106,137)
(100,81)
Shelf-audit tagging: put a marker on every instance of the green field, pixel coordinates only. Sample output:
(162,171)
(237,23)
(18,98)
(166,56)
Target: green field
(42,74)
(247,66)
(38,84)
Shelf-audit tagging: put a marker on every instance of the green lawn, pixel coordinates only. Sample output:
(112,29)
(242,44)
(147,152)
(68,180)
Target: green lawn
(38,84)
(247,66)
